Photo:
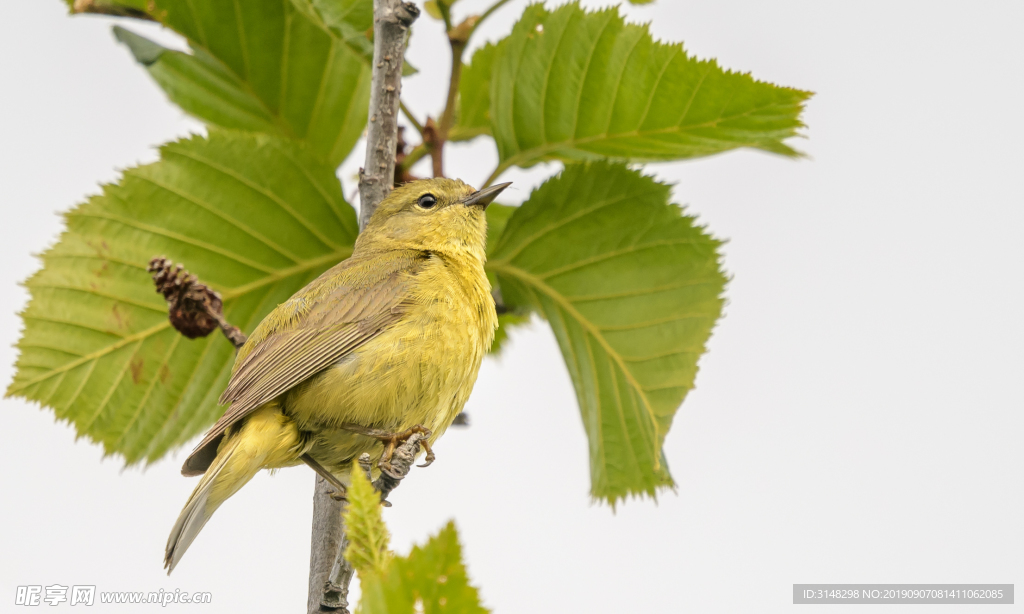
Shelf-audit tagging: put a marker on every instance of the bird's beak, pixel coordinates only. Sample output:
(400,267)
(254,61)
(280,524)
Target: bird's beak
(485,196)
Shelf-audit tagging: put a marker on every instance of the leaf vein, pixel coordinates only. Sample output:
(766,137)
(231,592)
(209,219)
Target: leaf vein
(137,337)
(227,218)
(649,323)
(628,251)
(38,318)
(113,387)
(78,391)
(566,220)
(156,230)
(120,299)
(318,101)
(149,390)
(586,71)
(265,192)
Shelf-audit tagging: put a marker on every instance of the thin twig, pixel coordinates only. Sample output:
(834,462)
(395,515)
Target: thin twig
(446,14)
(409,116)
(414,156)
(458,36)
(435,146)
(98,7)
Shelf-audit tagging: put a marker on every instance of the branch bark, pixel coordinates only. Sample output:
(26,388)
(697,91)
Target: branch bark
(391,21)
(329,572)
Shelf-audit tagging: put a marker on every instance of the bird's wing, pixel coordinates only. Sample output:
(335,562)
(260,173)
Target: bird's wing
(331,317)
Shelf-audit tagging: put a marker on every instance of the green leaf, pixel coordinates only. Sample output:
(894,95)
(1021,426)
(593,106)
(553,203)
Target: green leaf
(433,577)
(433,9)
(255,217)
(202,86)
(632,289)
(474,111)
(439,9)
(574,85)
(368,537)
(272,68)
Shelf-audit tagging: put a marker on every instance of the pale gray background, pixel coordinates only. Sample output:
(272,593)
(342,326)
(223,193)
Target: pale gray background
(857,418)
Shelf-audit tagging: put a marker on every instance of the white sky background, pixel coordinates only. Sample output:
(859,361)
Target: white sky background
(858,417)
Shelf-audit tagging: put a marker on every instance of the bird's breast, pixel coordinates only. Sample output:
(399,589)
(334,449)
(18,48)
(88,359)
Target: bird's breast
(420,370)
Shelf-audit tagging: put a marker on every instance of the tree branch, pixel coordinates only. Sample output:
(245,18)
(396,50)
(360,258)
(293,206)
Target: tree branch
(98,7)
(329,572)
(391,21)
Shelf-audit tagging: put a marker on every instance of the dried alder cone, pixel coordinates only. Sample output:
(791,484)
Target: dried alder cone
(193,308)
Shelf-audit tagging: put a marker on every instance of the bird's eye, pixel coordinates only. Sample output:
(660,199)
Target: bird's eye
(426,201)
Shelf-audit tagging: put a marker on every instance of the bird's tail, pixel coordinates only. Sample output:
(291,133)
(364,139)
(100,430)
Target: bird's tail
(266,440)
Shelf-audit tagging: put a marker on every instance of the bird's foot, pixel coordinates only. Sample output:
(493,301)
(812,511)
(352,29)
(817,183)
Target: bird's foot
(392,440)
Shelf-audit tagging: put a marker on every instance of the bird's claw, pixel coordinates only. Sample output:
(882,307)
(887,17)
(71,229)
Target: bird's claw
(391,442)
(429,459)
(337,496)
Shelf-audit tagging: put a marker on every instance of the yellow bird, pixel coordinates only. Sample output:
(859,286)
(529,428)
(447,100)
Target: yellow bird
(390,339)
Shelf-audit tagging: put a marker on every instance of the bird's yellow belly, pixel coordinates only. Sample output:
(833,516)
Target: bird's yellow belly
(414,373)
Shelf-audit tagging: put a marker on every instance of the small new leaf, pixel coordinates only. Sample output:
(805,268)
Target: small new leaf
(433,9)
(431,580)
(368,537)
(631,288)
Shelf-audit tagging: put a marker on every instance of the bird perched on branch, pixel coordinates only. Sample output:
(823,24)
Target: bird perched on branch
(384,344)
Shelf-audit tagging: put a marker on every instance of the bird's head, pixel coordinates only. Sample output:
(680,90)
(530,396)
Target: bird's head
(437,215)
